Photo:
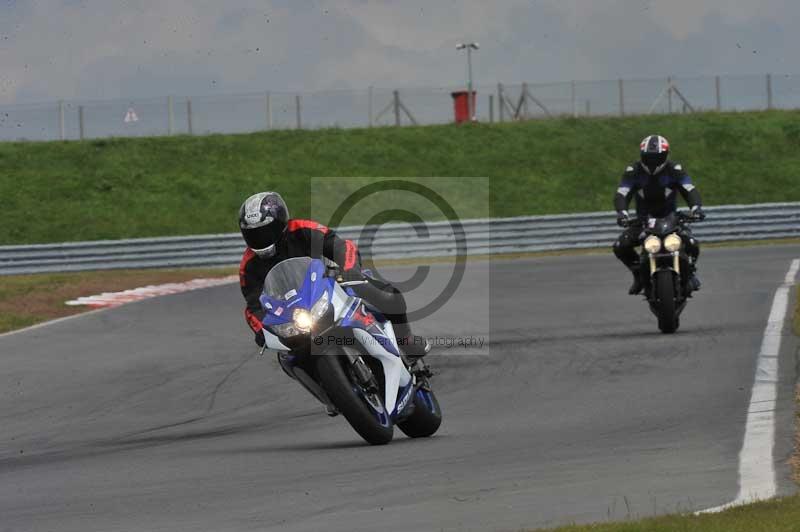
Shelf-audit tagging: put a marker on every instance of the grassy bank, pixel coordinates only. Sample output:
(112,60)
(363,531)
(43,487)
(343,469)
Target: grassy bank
(63,191)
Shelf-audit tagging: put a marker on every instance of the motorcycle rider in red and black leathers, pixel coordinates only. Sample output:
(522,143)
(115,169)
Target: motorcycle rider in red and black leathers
(272,237)
(655,182)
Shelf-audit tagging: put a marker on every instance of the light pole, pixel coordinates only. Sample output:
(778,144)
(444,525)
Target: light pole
(470,103)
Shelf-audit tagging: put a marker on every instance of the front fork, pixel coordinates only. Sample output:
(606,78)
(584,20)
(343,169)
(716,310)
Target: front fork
(676,263)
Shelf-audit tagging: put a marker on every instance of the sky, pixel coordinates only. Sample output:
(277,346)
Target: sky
(111,49)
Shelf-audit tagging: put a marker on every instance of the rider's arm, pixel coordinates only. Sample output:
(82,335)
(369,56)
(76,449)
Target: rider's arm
(341,251)
(323,241)
(686,187)
(251,280)
(625,190)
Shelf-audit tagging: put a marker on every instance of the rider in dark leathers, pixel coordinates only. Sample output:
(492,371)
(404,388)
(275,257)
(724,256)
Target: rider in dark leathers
(655,182)
(273,237)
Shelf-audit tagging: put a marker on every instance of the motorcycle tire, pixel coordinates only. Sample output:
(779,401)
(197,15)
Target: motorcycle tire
(347,400)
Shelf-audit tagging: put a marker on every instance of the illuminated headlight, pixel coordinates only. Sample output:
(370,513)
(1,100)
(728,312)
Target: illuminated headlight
(303,320)
(672,242)
(652,244)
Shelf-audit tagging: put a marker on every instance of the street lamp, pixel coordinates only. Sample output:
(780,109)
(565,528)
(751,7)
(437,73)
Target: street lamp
(470,103)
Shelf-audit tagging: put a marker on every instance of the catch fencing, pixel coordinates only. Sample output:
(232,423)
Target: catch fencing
(400,241)
(242,113)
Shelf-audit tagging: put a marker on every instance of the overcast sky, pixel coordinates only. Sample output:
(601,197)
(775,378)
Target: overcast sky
(105,49)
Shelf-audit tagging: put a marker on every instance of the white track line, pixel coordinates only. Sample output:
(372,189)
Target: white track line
(756,463)
(52,322)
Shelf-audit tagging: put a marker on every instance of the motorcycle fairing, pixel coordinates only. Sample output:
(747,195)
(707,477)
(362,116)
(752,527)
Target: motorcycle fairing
(314,286)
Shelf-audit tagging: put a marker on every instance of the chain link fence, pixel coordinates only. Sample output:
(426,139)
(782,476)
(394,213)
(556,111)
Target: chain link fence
(244,113)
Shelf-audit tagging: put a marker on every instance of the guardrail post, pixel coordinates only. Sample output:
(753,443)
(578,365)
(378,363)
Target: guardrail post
(80,121)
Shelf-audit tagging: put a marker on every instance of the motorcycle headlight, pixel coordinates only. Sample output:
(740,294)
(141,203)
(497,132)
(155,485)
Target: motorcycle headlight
(319,308)
(672,242)
(652,244)
(285,330)
(303,320)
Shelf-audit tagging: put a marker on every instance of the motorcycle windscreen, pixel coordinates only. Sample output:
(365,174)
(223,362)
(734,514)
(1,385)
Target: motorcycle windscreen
(286,278)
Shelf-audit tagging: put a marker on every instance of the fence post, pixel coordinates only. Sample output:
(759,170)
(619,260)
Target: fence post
(80,121)
(170,116)
(621,98)
(574,100)
(491,108)
(769,91)
(719,93)
(525,100)
(61,126)
(268,109)
(297,104)
(500,103)
(669,94)
(370,101)
(396,108)
(189,116)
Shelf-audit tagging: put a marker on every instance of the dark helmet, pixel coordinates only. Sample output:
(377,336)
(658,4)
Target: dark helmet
(654,151)
(262,219)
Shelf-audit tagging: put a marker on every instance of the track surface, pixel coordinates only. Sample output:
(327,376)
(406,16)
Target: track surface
(158,415)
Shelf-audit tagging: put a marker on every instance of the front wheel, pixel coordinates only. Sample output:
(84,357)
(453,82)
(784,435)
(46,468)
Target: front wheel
(362,409)
(424,421)
(664,282)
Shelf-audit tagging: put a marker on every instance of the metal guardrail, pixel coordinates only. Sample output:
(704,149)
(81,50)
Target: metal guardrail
(434,239)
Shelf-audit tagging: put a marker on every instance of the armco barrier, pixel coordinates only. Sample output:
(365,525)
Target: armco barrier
(434,239)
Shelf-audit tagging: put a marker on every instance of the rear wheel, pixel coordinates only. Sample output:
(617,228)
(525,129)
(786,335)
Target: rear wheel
(362,408)
(665,301)
(424,421)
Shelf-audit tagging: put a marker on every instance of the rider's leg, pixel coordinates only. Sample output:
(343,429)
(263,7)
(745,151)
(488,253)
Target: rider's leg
(624,249)
(390,301)
(692,247)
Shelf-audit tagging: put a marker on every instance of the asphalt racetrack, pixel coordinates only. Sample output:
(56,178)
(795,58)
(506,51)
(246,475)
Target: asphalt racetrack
(160,415)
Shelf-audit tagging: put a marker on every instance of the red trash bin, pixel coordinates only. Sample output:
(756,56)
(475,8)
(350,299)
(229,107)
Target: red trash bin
(461,105)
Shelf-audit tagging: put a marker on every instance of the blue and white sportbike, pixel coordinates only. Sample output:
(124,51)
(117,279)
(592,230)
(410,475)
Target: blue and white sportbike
(345,353)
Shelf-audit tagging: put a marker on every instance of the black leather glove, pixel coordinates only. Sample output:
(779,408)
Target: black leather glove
(623,219)
(260,340)
(698,213)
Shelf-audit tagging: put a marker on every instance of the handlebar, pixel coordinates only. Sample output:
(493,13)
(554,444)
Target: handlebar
(683,217)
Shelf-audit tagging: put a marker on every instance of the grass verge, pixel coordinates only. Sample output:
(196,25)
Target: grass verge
(118,188)
(30,299)
(777,515)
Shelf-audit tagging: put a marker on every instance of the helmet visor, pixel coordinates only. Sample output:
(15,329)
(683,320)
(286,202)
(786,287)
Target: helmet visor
(260,238)
(654,160)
